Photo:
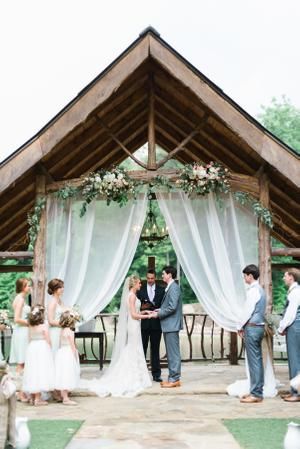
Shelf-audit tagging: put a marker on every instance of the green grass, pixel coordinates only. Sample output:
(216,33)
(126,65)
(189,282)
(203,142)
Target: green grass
(52,434)
(262,433)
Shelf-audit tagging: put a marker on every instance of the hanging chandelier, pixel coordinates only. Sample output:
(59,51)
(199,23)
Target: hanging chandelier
(153,233)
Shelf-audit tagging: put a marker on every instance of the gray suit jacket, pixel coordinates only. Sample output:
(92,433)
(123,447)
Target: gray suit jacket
(170,313)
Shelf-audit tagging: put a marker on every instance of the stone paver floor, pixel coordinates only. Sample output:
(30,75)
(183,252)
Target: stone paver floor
(181,418)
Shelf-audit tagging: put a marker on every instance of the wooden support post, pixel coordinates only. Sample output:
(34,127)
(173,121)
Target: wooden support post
(151,263)
(39,258)
(151,129)
(264,238)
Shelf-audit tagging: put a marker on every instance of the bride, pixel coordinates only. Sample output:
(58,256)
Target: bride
(127,374)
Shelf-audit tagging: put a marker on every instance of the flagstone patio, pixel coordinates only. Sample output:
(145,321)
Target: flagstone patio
(189,417)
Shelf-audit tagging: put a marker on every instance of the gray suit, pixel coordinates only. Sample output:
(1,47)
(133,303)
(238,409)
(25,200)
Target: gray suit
(170,315)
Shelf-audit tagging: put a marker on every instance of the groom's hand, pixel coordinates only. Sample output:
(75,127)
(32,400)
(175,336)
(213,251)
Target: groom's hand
(155,314)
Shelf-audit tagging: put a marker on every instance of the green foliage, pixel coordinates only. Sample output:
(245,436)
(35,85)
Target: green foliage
(33,220)
(283,120)
(279,289)
(261,212)
(67,192)
(7,286)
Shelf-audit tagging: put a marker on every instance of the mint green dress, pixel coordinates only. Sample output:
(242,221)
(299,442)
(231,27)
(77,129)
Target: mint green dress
(20,339)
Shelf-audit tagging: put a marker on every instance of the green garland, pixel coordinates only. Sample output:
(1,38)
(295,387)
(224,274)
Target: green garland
(260,211)
(116,185)
(33,220)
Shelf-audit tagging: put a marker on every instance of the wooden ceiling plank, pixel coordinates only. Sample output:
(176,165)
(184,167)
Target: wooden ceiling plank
(91,135)
(99,148)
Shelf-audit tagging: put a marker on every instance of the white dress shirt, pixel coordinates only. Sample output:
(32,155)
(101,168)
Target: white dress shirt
(252,297)
(151,292)
(169,284)
(293,297)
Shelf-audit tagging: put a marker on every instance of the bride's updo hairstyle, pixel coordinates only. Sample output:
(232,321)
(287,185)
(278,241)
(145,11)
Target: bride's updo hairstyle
(133,279)
(54,285)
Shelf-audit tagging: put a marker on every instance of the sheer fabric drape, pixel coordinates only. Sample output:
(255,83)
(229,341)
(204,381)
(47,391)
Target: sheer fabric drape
(92,254)
(214,240)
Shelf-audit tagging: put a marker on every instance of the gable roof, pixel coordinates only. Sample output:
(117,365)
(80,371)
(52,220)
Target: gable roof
(76,140)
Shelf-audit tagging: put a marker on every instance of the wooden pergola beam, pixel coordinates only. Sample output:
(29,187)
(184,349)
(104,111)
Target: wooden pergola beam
(294,252)
(16,254)
(16,268)
(284,266)
(118,141)
(96,148)
(238,181)
(151,164)
(186,140)
(90,138)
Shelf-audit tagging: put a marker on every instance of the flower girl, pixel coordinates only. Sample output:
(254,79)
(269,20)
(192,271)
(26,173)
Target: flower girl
(67,369)
(39,368)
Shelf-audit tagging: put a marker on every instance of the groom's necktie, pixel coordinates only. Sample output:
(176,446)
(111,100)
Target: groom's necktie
(151,294)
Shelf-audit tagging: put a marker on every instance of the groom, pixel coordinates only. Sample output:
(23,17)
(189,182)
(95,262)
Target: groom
(170,315)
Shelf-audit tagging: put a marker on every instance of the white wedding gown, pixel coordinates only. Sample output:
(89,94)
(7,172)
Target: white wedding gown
(127,375)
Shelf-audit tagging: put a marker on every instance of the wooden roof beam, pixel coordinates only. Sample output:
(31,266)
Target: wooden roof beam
(89,136)
(186,140)
(97,149)
(16,254)
(235,163)
(264,144)
(121,144)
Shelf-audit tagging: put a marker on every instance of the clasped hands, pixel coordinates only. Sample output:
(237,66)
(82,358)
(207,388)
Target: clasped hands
(151,314)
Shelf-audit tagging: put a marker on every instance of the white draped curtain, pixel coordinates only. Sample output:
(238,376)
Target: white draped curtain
(92,254)
(213,240)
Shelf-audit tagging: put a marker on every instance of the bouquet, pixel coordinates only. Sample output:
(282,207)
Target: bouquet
(4,321)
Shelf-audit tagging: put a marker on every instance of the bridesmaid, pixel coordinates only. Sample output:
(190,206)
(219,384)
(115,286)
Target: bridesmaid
(55,309)
(20,335)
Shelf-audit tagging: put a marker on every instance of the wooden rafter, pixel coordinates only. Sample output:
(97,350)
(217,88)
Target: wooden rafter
(117,140)
(151,165)
(184,141)
(98,149)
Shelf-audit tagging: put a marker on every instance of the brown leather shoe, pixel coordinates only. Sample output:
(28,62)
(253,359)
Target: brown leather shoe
(292,399)
(170,384)
(286,395)
(251,399)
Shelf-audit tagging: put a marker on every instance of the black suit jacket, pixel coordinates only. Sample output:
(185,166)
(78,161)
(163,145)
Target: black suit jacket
(142,294)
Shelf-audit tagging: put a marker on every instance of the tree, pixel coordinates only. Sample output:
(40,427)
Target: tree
(283,120)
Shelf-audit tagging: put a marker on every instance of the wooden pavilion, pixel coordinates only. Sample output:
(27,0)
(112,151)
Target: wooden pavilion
(150,94)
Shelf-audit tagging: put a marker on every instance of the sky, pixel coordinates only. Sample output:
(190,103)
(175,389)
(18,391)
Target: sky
(50,50)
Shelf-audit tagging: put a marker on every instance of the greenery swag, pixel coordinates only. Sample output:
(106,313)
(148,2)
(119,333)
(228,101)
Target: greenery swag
(116,185)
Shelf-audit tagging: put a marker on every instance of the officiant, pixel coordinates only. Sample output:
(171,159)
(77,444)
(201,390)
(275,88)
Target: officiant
(151,296)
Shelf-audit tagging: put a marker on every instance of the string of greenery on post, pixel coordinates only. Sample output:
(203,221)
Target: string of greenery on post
(196,179)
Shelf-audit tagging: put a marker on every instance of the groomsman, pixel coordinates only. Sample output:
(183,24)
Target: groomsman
(251,329)
(290,327)
(170,315)
(151,296)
